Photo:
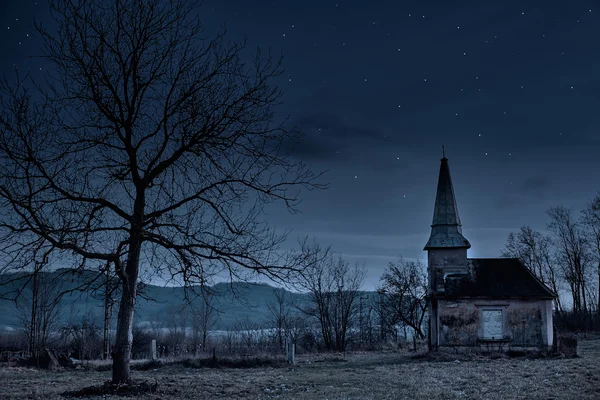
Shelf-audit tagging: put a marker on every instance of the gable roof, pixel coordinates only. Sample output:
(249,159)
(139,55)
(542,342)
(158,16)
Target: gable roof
(446,231)
(497,278)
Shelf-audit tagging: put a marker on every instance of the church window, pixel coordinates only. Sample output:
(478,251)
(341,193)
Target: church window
(492,324)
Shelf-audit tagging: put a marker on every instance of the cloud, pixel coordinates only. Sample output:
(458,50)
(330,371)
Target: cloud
(531,190)
(535,186)
(325,135)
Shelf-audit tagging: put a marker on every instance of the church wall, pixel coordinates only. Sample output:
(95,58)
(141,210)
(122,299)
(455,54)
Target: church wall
(452,258)
(445,261)
(525,323)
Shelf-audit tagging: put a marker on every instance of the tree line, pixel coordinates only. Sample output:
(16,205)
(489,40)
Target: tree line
(566,257)
(327,310)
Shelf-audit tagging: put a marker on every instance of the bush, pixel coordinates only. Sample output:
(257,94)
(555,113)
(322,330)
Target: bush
(142,340)
(567,345)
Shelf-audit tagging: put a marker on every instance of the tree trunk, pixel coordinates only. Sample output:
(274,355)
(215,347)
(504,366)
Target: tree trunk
(598,309)
(124,337)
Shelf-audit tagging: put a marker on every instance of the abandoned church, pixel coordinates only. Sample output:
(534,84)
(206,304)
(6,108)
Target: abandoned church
(486,303)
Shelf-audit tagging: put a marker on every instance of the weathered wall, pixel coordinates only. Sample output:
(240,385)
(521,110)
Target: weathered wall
(458,323)
(526,323)
(450,258)
(445,261)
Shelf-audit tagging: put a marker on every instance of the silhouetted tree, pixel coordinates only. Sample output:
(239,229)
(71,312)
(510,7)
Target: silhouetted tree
(404,287)
(534,250)
(385,321)
(146,141)
(83,337)
(591,223)
(204,317)
(39,309)
(279,315)
(571,247)
(333,288)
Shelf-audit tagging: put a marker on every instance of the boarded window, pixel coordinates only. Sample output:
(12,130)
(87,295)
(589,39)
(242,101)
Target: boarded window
(492,324)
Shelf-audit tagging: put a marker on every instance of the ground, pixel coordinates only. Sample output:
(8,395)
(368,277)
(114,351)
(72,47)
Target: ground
(381,375)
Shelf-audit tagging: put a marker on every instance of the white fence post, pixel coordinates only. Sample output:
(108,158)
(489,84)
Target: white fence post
(291,352)
(153,350)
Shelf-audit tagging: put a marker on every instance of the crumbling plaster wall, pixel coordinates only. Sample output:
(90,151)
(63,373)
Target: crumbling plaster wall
(526,323)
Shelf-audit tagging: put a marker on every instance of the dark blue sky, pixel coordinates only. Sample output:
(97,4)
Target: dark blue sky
(510,88)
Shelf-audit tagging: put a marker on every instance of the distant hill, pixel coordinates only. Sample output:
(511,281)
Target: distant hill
(234,302)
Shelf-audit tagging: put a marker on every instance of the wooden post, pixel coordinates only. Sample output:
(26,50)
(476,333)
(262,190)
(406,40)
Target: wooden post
(107,312)
(291,352)
(153,350)
(33,328)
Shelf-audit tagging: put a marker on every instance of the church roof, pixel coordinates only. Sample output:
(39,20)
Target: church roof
(446,228)
(497,278)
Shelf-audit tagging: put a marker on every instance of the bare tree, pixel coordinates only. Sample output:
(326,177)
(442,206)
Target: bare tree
(591,223)
(39,308)
(204,317)
(279,315)
(297,326)
(404,285)
(82,336)
(572,250)
(146,142)
(176,322)
(333,289)
(366,313)
(534,250)
(385,321)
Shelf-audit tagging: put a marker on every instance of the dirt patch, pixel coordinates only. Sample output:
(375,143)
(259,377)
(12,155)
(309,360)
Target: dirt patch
(244,362)
(111,389)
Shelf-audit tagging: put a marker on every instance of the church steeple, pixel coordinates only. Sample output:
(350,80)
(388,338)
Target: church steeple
(446,231)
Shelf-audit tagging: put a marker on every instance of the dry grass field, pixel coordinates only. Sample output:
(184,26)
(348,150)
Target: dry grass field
(383,375)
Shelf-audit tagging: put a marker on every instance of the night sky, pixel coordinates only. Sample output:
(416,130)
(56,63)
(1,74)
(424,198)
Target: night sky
(512,89)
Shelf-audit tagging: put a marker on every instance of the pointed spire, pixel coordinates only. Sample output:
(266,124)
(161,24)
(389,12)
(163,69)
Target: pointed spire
(446,231)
